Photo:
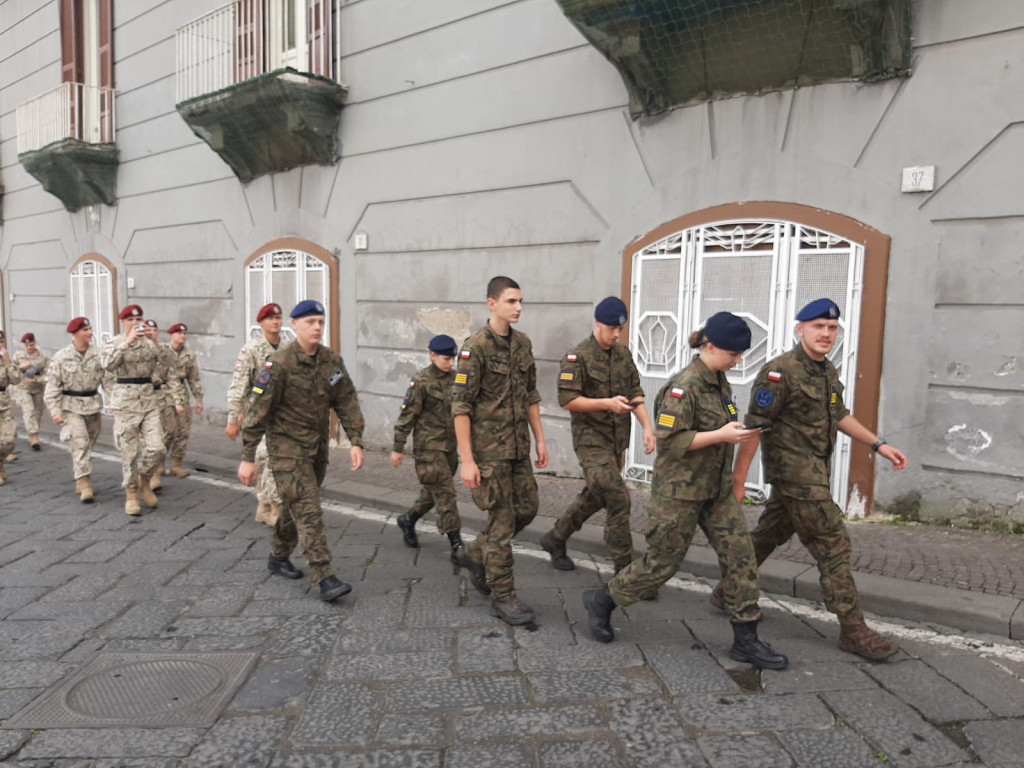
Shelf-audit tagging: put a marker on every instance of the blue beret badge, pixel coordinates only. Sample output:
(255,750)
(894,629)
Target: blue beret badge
(764,398)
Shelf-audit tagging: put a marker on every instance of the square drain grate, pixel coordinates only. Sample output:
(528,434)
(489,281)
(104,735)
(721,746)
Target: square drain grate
(141,690)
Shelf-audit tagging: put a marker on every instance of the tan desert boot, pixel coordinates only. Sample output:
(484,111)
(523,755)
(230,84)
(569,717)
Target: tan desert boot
(177,470)
(131,502)
(83,487)
(146,492)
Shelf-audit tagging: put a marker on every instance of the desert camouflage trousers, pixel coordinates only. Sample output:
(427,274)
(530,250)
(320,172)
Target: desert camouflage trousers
(8,434)
(167,424)
(298,483)
(672,525)
(80,433)
(508,493)
(820,527)
(138,434)
(32,407)
(436,471)
(604,489)
(177,443)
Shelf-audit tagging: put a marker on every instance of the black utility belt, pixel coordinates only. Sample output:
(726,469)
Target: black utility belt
(141,380)
(80,393)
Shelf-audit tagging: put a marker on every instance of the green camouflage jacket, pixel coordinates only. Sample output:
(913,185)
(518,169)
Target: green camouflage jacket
(495,385)
(803,401)
(590,371)
(694,400)
(291,402)
(71,370)
(427,412)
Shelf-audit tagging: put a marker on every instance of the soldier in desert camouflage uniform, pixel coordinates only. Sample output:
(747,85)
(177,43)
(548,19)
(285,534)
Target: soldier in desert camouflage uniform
(167,394)
(496,405)
(692,485)
(186,372)
(10,375)
(799,394)
(599,384)
(29,394)
(72,396)
(251,361)
(291,403)
(132,359)
(427,413)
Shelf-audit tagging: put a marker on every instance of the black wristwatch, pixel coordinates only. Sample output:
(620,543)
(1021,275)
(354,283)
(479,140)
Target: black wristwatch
(878,444)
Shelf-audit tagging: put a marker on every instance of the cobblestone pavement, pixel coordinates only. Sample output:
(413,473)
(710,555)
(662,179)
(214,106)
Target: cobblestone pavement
(412,670)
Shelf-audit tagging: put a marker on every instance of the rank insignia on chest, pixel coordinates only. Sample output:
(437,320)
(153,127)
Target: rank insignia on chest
(677,392)
(565,376)
(666,420)
(764,398)
(464,354)
(571,358)
(774,376)
(261,382)
(461,379)
(335,377)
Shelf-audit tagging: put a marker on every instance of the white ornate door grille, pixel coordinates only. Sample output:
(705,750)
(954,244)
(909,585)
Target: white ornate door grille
(92,296)
(762,270)
(287,277)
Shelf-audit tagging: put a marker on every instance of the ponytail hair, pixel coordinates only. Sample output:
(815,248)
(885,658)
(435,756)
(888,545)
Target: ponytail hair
(698,339)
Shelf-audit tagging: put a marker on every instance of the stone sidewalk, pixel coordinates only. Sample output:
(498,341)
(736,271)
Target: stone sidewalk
(411,670)
(969,580)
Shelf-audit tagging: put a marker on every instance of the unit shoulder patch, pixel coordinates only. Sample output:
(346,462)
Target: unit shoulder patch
(460,379)
(774,376)
(335,377)
(261,382)
(764,398)
(566,375)
(666,420)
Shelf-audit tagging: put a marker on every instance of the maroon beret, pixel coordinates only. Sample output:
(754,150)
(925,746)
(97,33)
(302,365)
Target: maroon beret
(27,338)
(78,324)
(267,310)
(132,310)
(178,328)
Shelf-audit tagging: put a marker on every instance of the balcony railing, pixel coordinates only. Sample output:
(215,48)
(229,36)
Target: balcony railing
(236,42)
(69,111)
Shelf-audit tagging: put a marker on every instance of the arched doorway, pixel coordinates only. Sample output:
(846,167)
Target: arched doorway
(762,261)
(92,282)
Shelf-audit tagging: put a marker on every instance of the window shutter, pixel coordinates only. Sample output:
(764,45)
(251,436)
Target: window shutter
(106,47)
(318,36)
(72,70)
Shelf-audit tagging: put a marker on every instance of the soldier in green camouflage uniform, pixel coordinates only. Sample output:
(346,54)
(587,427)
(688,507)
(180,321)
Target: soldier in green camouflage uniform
(599,384)
(10,375)
(291,403)
(168,396)
(427,413)
(132,359)
(799,394)
(251,361)
(693,485)
(496,405)
(29,394)
(72,395)
(186,371)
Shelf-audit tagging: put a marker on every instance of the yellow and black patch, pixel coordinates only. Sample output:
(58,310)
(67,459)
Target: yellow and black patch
(835,397)
(261,383)
(461,379)
(666,420)
(566,375)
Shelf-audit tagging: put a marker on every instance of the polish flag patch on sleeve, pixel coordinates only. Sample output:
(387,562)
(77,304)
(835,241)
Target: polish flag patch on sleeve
(677,392)
(571,358)
(774,376)
(464,354)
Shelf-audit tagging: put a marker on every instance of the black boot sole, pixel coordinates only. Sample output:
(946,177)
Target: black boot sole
(744,658)
(409,535)
(333,594)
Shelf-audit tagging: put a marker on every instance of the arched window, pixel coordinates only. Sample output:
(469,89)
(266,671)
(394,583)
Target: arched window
(288,275)
(92,296)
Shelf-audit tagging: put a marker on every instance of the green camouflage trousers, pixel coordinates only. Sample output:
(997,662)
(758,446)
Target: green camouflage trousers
(80,433)
(435,470)
(508,493)
(178,441)
(821,529)
(266,488)
(672,525)
(8,434)
(604,488)
(138,433)
(32,407)
(298,482)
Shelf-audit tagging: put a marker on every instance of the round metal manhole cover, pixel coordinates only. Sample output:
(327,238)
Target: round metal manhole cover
(145,688)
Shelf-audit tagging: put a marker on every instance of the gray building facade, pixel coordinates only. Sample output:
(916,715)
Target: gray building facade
(484,137)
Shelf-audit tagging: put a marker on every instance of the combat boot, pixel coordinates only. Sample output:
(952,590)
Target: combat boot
(282,566)
(555,547)
(33,440)
(511,610)
(12,456)
(131,502)
(749,649)
(599,605)
(477,572)
(176,469)
(83,487)
(3,476)
(407,522)
(146,492)
(332,588)
(458,548)
(717,598)
(155,483)
(863,641)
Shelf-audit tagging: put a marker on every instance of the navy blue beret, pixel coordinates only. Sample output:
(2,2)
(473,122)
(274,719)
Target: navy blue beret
(307,308)
(443,345)
(818,308)
(728,332)
(611,311)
